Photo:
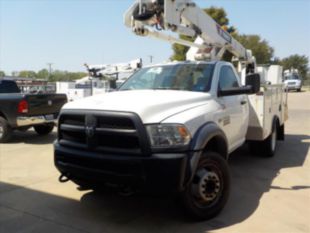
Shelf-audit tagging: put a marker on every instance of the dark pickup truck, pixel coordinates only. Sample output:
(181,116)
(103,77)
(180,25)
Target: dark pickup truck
(20,111)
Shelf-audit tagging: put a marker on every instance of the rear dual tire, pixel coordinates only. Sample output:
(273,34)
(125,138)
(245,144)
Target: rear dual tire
(268,147)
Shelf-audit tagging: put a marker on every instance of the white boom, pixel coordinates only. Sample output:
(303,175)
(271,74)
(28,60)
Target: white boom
(153,17)
(111,69)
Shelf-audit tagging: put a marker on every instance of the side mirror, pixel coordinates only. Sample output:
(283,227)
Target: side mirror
(252,87)
(253,80)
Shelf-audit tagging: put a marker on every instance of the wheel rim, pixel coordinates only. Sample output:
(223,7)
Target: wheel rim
(1,130)
(207,185)
(273,140)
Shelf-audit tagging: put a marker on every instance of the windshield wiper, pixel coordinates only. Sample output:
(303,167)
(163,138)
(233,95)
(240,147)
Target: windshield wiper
(166,88)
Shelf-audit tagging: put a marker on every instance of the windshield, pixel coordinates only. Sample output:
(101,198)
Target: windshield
(187,77)
(292,77)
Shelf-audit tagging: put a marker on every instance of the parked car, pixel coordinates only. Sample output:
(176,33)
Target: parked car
(293,81)
(20,111)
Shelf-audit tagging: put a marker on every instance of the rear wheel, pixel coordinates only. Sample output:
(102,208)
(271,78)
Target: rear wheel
(43,129)
(268,147)
(270,144)
(5,130)
(299,90)
(208,192)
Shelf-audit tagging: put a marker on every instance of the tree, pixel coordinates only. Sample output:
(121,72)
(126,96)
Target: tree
(180,50)
(260,48)
(296,61)
(275,61)
(2,73)
(59,75)
(27,74)
(219,15)
(42,74)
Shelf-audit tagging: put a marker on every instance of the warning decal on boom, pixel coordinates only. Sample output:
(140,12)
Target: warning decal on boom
(225,35)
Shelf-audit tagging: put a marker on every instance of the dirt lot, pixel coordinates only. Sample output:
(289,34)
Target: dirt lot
(268,195)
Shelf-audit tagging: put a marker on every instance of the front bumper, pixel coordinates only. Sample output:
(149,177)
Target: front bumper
(34,120)
(293,86)
(158,173)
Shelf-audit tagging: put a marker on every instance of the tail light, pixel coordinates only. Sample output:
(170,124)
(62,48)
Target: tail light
(23,106)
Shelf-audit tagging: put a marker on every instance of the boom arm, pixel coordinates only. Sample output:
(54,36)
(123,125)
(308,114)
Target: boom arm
(111,69)
(152,17)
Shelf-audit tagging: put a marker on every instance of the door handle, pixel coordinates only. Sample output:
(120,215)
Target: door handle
(243,102)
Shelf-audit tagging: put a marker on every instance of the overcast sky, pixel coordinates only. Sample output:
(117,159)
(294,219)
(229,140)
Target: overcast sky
(69,33)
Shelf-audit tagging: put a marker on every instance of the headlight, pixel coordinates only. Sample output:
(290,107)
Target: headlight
(168,135)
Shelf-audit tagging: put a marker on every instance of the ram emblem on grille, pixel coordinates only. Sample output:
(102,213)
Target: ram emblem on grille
(90,126)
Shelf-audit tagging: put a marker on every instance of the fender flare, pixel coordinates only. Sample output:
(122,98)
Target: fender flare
(199,142)
(207,132)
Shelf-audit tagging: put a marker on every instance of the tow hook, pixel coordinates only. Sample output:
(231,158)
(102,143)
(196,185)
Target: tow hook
(64,178)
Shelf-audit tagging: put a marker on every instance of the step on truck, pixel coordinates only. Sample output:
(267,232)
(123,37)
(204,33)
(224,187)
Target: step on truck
(171,127)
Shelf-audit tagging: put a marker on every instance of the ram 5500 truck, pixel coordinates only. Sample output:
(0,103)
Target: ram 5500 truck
(170,128)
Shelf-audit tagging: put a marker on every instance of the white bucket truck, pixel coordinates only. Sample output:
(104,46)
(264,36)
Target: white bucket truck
(171,127)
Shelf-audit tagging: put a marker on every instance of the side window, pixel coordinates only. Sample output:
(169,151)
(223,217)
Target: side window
(228,78)
(8,87)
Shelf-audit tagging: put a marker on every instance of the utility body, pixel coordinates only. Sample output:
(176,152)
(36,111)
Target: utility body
(20,111)
(171,127)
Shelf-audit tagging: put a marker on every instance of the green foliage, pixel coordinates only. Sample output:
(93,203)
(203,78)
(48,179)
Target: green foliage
(260,48)
(296,61)
(59,75)
(27,74)
(275,61)
(42,74)
(219,15)
(180,50)
(2,73)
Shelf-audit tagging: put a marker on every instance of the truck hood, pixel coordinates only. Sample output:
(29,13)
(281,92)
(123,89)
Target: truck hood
(153,106)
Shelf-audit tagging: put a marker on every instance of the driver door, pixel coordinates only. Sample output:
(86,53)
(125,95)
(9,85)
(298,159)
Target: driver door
(234,115)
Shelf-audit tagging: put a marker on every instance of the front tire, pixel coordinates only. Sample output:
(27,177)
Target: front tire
(43,129)
(208,192)
(5,130)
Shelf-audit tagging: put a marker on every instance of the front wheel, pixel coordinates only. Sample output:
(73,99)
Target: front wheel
(208,192)
(43,129)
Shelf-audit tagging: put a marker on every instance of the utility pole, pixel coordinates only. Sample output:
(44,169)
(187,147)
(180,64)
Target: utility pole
(151,58)
(49,71)
(49,74)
